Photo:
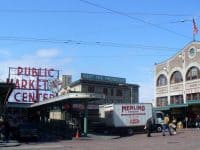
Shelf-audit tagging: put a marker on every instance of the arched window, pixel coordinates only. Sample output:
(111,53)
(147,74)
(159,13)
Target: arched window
(162,80)
(193,73)
(176,77)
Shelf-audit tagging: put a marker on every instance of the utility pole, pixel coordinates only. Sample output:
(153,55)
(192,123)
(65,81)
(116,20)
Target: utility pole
(131,95)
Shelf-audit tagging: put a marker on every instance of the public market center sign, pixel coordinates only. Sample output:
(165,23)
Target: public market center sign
(32,84)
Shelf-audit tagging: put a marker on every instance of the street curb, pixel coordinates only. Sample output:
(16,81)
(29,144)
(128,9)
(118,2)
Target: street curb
(9,144)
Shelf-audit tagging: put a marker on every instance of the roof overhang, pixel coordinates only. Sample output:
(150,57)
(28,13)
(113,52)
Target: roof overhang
(168,107)
(161,108)
(177,105)
(71,97)
(5,91)
(18,105)
(190,102)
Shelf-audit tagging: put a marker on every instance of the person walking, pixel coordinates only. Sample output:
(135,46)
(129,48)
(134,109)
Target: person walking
(149,126)
(198,122)
(6,130)
(166,125)
(172,125)
(1,128)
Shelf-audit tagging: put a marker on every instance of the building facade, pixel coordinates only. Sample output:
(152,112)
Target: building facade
(115,89)
(177,80)
(66,80)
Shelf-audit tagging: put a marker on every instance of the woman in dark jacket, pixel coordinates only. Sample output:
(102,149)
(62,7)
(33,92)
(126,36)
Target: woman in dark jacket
(149,126)
(6,130)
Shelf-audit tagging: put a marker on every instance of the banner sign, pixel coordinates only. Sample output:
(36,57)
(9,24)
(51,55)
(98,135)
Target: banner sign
(33,85)
(101,78)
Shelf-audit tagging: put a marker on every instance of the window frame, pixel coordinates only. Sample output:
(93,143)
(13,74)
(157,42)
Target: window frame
(162,80)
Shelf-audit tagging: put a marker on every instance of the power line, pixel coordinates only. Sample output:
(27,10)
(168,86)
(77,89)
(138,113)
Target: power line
(90,12)
(179,21)
(103,12)
(120,56)
(89,43)
(134,18)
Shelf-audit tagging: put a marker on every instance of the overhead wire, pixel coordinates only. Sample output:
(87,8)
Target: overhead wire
(80,42)
(90,12)
(103,12)
(134,18)
(96,43)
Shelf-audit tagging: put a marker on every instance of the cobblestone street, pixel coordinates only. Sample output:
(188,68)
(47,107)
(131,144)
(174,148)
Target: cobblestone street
(185,139)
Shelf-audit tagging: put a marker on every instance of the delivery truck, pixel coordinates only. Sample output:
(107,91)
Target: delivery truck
(126,118)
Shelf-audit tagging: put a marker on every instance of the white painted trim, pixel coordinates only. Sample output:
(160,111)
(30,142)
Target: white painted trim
(72,96)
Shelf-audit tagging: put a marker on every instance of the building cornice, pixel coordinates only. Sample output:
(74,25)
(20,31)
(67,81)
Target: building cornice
(178,53)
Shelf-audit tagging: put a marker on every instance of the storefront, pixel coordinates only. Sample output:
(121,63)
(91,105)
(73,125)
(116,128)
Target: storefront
(61,113)
(177,82)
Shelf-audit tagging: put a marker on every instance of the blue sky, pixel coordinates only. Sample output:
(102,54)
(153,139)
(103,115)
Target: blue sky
(105,37)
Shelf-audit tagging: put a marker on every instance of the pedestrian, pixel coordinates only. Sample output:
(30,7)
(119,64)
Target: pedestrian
(149,126)
(172,125)
(6,130)
(1,128)
(197,122)
(166,125)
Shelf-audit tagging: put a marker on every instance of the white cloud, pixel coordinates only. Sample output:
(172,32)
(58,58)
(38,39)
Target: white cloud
(47,53)
(37,60)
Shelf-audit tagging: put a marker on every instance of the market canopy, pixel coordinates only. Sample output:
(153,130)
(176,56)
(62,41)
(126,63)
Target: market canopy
(168,107)
(190,102)
(71,97)
(177,105)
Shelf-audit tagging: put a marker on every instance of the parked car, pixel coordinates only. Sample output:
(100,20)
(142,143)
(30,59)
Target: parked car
(27,131)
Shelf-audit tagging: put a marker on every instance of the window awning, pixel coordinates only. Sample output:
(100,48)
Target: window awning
(190,102)
(168,107)
(161,108)
(177,105)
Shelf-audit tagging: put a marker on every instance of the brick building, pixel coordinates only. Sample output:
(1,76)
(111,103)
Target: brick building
(177,82)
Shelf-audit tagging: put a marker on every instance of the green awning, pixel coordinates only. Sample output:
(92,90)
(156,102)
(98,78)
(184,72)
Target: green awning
(161,108)
(190,102)
(170,106)
(177,105)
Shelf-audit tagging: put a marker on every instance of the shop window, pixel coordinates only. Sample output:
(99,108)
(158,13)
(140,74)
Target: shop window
(161,101)
(111,92)
(193,96)
(188,97)
(119,92)
(176,99)
(193,73)
(91,89)
(162,80)
(176,77)
(105,91)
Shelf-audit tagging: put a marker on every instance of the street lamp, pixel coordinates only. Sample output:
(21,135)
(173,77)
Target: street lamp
(131,94)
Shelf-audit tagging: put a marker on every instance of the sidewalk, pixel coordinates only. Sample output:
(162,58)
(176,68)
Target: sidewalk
(96,137)
(11,143)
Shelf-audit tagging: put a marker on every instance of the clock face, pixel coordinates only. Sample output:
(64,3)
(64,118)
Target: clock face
(192,52)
